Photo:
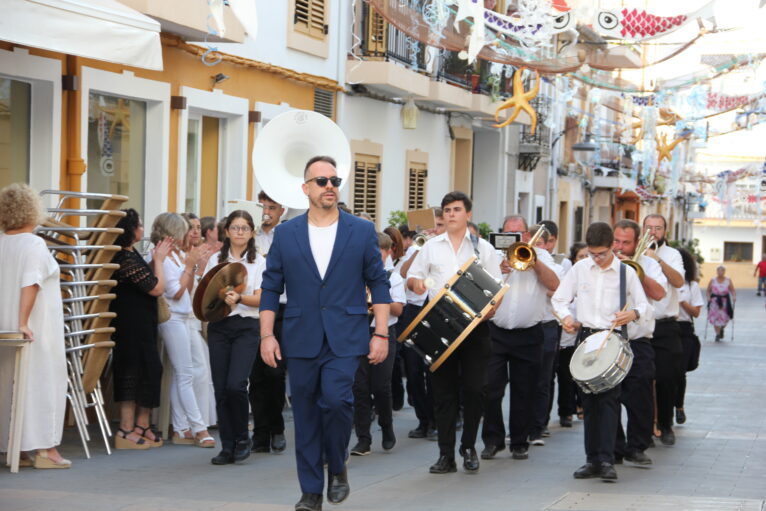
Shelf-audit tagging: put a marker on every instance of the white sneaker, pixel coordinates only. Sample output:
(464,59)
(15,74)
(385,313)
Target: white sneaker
(537,441)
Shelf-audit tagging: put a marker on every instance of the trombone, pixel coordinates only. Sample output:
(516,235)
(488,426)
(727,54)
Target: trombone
(646,240)
(522,256)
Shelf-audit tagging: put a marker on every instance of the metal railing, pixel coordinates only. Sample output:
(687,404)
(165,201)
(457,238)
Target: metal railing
(380,39)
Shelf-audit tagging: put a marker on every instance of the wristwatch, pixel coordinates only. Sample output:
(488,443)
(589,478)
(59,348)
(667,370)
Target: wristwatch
(638,314)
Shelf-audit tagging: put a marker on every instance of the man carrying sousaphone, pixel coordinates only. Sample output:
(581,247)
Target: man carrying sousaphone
(636,393)
(463,372)
(598,285)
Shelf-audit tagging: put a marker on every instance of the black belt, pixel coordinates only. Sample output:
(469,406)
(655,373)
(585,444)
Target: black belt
(665,320)
(587,332)
(552,322)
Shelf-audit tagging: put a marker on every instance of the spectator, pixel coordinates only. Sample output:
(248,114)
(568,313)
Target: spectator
(721,297)
(209,230)
(760,271)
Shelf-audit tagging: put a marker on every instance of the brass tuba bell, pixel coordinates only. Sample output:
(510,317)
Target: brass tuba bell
(641,247)
(522,256)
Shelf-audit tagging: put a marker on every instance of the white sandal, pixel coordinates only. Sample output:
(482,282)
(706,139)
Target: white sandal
(180,438)
(205,442)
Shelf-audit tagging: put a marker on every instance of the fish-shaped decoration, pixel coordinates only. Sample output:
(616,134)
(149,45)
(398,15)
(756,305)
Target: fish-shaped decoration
(637,24)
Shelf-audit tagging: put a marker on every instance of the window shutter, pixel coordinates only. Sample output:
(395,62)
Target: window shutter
(366,185)
(416,186)
(377,33)
(324,102)
(310,16)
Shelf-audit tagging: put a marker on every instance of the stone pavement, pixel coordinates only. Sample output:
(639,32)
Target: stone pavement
(718,463)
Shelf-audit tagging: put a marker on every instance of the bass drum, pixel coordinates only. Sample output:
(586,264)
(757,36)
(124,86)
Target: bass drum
(596,369)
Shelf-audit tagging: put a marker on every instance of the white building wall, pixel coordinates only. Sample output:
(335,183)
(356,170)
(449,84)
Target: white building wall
(490,186)
(712,238)
(381,123)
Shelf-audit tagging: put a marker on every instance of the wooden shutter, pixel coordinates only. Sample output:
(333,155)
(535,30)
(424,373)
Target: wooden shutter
(366,185)
(377,33)
(310,16)
(416,186)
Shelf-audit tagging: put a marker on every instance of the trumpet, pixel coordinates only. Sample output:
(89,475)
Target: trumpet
(522,256)
(643,244)
(420,239)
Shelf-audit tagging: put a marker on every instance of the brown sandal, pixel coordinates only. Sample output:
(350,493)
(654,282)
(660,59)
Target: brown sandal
(122,442)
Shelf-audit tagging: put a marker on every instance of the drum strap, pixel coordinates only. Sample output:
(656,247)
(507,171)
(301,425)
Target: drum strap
(475,242)
(623,298)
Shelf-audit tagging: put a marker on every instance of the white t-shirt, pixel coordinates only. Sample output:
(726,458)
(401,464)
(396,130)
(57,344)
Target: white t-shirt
(524,304)
(668,306)
(691,294)
(253,283)
(413,298)
(322,239)
(397,296)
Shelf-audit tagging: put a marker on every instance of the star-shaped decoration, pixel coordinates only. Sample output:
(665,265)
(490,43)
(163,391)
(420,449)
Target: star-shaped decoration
(664,149)
(120,115)
(519,101)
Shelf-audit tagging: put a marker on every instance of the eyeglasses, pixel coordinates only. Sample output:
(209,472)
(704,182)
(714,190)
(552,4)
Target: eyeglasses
(322,181)
(599,256)
(240,228)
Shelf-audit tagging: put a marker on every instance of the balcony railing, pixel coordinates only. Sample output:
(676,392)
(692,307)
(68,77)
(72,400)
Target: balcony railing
(384,41)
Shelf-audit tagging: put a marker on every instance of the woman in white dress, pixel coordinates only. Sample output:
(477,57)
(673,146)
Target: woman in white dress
(188,424)
(31,298)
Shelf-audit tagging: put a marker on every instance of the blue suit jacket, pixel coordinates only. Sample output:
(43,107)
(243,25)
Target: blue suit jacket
(335,306)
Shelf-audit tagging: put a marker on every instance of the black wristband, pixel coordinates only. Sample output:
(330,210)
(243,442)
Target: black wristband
(380,335)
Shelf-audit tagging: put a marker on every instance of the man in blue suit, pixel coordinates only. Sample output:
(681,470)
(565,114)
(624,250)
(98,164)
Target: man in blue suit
(325,258)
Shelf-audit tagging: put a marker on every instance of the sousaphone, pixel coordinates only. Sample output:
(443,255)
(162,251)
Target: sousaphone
(286,143)
(208,303)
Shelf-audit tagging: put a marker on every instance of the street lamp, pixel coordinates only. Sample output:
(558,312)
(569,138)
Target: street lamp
(585,151)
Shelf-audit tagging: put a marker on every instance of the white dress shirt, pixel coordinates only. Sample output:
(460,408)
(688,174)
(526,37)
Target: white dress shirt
(253,283)
(263,240)
(173,267)
(568,340)
(397,296)
(322,240)
(559,271)
(524,304)
(691,294)
(596,294)
(668,306)
(412,297)
(439,261)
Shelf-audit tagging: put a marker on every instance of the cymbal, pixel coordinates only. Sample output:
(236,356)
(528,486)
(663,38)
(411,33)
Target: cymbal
(209,304)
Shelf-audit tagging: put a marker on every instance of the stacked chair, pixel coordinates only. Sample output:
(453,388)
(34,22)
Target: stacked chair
(81,241)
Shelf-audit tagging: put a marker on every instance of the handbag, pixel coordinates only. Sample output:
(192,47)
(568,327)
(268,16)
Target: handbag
(163,310)
(694,356)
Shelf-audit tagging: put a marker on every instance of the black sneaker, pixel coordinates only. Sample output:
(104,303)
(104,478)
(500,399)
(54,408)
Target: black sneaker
(608,473)
(224,457)
(538,440)
(389,438)
(639,458)
(362,448)
(587,471)
(680,416)
(420,432)
(242,450)
(546,433)
(565,422)
(519,453)
(668,437)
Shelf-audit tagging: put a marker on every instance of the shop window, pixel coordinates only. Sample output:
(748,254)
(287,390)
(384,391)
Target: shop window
(117,147)
(15,100)
(366,185)
(416,186)
(736,252)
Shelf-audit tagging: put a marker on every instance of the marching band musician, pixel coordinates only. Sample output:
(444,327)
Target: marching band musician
(666,340)
(636,391)
(267,384)
(594,285)
(418,375)
(464,371)
(516,334)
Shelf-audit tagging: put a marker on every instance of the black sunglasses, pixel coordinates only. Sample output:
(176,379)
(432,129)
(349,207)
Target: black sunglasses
(322,181)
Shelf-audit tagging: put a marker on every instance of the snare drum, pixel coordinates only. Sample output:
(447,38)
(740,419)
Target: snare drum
(453,313)
(597,370)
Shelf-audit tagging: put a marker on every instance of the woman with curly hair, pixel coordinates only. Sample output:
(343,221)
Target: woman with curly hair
(136,363)
(31,298)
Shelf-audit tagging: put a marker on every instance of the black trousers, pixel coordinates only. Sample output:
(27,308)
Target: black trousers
(372,386)
(267,394)
(463,372)
(602,413)
(233,344)
(397,375)
(418,376)
(544,393)
(636,396)
(667,355)
(567,400)
(687,343)
(515,357)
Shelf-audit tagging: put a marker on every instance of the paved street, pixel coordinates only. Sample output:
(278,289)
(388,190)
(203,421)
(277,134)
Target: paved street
(719,462)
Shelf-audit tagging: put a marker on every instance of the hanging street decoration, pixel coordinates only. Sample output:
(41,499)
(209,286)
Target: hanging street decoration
(519,101)
(664,149)
(638,25)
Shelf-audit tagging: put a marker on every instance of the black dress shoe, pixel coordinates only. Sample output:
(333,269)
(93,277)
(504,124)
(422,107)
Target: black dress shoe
(242,450)
(261,448)
(444,465)
(309,502)
(420,432)
(680,416)
(608,473)
(668,437)
(587,471)
(278,442)
(337,487)
(489,452)
(470,460)
(397,403)
(223,458)
(362,448)
(519,453)
(389,438)
(566,422)
(639,458)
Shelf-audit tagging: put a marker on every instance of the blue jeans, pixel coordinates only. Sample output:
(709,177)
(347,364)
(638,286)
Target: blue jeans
(761,284)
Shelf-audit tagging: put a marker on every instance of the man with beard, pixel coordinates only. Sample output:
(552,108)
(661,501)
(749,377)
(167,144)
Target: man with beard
(324,259)
(666,340)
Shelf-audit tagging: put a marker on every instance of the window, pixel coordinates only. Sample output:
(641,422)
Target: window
(117,147)
(366,185)
(15,100)
(737,252)
(310,17)
(416,186)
